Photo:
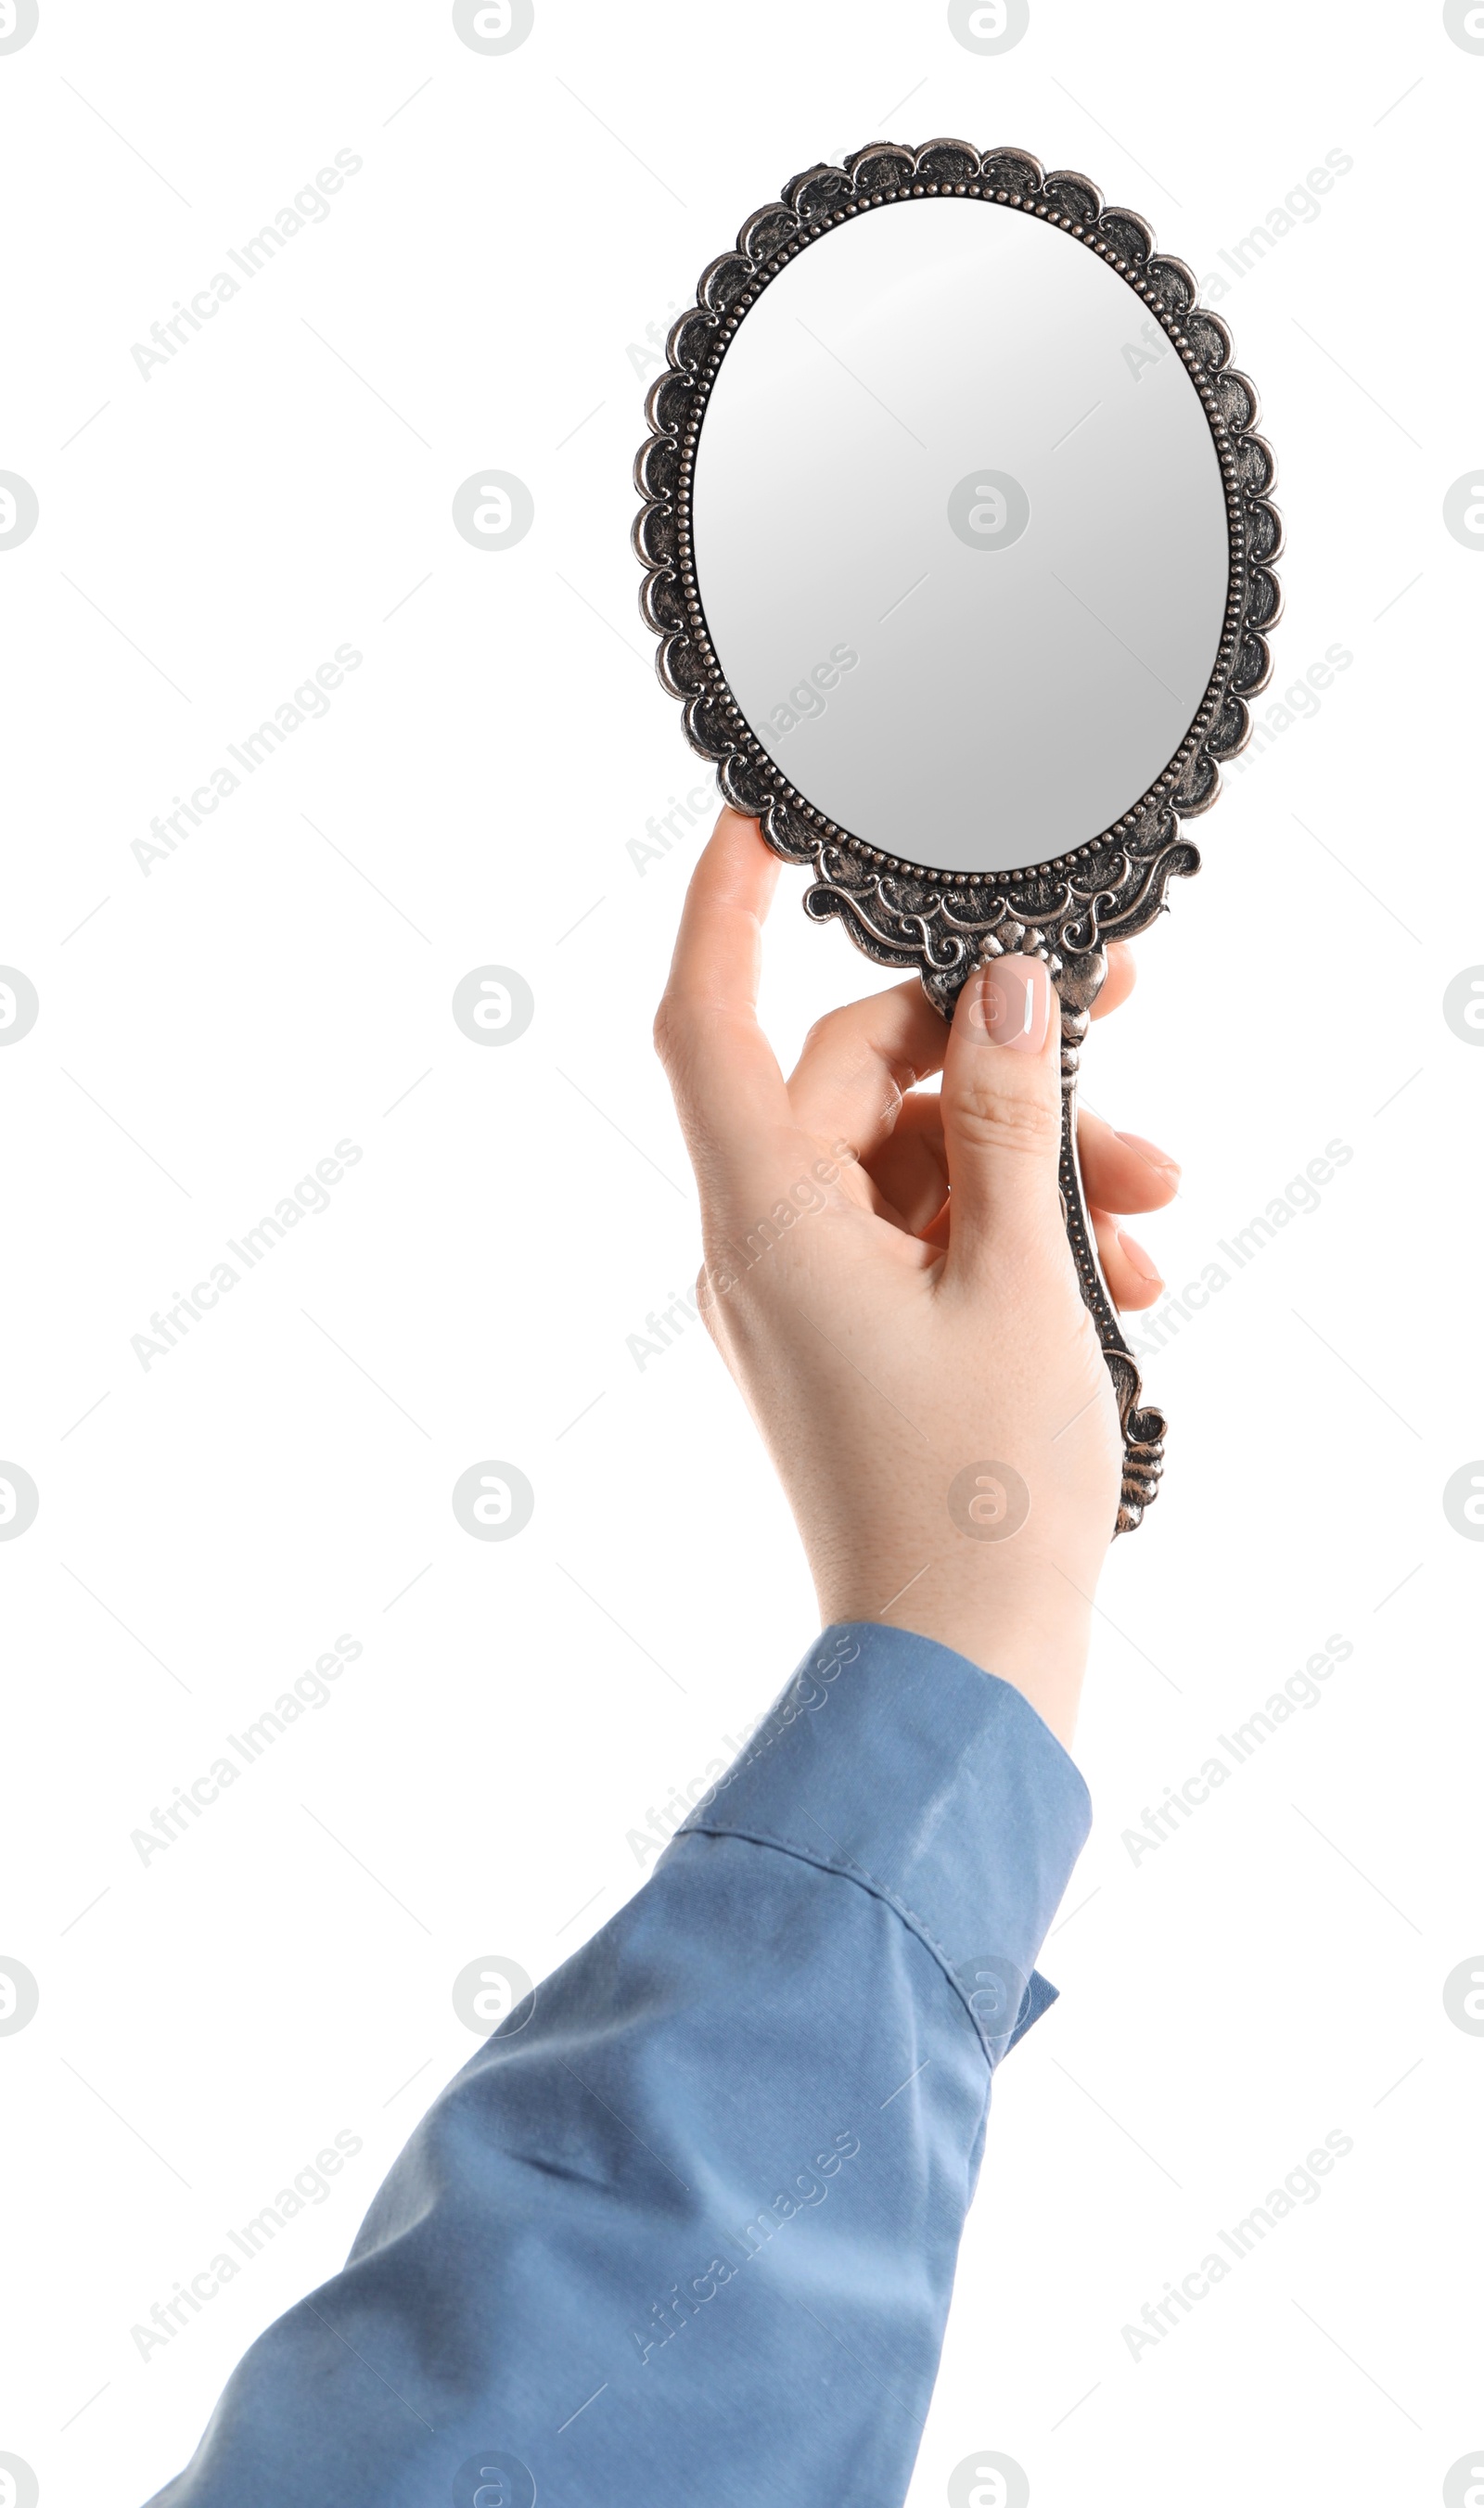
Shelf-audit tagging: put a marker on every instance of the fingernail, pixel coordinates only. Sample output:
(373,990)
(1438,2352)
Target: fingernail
(1138,1261)
(1151,1150)
(1014,1006)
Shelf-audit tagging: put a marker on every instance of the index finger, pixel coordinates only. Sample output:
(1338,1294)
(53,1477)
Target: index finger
(725,1076)
(1119,981)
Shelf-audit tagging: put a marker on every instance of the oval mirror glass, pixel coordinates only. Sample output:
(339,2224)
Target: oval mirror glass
(960,534)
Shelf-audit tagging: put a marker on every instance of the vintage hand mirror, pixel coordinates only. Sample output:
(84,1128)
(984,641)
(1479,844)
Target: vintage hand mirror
(957,540)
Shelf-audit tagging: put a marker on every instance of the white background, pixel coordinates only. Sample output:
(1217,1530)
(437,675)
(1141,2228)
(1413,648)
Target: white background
(521,229)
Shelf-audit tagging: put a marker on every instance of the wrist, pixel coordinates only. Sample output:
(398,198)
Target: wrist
(1032,1632)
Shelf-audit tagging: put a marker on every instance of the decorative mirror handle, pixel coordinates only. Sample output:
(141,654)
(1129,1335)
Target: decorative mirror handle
(1078,981)
(1077,976)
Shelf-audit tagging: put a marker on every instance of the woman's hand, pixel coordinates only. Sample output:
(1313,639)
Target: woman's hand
(888,1279)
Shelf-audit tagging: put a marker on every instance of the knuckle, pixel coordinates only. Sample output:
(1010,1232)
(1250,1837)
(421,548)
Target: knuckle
(1028,1124)
(672,1030)
(823,1032)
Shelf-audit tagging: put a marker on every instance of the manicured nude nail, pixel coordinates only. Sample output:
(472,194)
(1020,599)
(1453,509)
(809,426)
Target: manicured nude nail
(1151,1150)
(1138,1261)
(1014,1004)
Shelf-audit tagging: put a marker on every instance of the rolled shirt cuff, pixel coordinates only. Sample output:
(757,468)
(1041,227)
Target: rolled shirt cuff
(899,1764)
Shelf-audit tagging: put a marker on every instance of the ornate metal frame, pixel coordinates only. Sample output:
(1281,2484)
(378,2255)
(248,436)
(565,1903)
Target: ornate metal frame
(897,911)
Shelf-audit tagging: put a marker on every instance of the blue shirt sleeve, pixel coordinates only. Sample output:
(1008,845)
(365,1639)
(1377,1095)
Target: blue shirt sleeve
(685,2229)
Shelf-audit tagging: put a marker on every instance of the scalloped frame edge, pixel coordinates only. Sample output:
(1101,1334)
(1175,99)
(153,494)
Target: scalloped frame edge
(1114,884)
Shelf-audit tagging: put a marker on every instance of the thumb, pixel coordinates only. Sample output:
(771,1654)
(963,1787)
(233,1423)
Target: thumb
(1002,1114)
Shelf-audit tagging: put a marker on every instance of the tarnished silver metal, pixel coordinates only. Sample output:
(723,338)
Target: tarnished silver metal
(946,923)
